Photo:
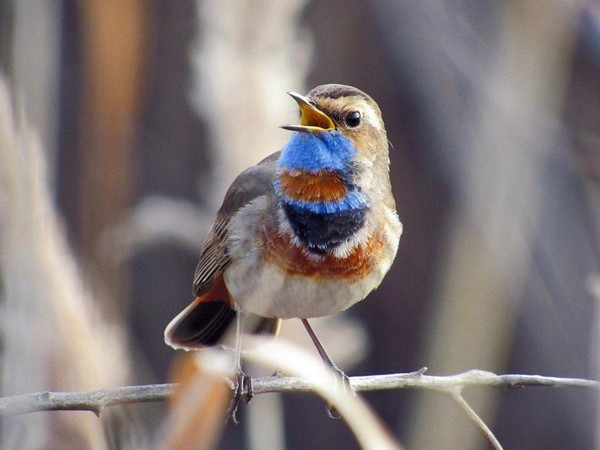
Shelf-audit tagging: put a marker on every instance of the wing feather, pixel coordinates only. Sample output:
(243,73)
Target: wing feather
(214,258)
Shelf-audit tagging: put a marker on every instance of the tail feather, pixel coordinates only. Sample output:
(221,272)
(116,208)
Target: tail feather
(205,322)
(201,324)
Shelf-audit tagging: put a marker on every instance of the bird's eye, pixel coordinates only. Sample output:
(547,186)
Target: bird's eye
(352,119)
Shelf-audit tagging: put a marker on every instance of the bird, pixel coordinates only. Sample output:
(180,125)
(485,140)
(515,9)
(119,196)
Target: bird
(307,232)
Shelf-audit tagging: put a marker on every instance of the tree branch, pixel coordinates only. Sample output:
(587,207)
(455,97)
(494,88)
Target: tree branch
(95,401)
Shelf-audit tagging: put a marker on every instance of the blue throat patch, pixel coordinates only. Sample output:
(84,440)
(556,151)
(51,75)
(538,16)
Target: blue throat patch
(317,152)
(322,225)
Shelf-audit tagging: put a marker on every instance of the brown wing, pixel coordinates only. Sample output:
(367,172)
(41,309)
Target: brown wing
(213,258)
(250,184)
(206,320)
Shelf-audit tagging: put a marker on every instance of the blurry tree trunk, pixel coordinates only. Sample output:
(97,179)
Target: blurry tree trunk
(113,39)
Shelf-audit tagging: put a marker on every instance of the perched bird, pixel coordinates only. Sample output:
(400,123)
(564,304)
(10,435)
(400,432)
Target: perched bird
(307,232)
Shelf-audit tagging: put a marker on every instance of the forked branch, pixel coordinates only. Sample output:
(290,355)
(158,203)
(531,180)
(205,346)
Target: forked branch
(95,401)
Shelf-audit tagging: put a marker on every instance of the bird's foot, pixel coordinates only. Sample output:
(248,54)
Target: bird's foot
(242,391)
(341,381)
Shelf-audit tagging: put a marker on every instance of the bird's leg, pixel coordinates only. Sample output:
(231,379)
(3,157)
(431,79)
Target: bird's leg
(324,356)
(340,375)
(243,383)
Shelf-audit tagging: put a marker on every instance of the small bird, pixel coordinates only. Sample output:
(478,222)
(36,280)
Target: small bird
(307,232)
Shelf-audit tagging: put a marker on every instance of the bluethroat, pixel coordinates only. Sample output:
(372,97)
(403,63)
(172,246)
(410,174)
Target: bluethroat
(307,232)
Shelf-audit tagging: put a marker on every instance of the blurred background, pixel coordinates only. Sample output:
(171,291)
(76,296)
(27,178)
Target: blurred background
(123,122)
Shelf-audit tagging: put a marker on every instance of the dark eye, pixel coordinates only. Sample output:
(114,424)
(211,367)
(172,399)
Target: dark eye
(352,119)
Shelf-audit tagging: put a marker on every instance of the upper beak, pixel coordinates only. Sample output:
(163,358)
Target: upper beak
(311,119)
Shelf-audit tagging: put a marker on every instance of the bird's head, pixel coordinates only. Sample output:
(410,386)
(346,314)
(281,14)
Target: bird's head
(334,110)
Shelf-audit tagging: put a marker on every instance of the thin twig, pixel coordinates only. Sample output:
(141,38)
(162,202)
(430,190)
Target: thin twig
(95,401)
(474,417)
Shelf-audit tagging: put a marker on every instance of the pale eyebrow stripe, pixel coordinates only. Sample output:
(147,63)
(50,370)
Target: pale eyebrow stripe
(371,116)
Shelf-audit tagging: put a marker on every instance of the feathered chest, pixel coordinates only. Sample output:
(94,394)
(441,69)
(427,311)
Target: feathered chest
(315,186)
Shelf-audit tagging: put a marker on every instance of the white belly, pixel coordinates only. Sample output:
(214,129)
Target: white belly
(261,286)
(264,289)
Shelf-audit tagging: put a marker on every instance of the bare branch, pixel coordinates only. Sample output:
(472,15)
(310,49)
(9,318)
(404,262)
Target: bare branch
(95,401)
(474,417)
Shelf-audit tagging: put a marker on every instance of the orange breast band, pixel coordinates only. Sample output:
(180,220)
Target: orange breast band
(303,186)
(280,251)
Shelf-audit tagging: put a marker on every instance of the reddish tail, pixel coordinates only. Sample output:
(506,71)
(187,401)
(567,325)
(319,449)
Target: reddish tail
(206,320)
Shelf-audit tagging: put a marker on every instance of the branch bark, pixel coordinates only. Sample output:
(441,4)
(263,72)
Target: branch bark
(95,401)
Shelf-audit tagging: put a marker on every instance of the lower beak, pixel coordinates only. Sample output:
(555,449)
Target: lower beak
(312,120)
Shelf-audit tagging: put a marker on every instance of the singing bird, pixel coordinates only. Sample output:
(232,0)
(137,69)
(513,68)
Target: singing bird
(307,232)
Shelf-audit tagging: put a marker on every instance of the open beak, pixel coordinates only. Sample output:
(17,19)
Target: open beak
(311,119)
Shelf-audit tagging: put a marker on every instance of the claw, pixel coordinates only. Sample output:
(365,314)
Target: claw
(243,391)
(340,379)
(340,376)
(248,389)
(332,412)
